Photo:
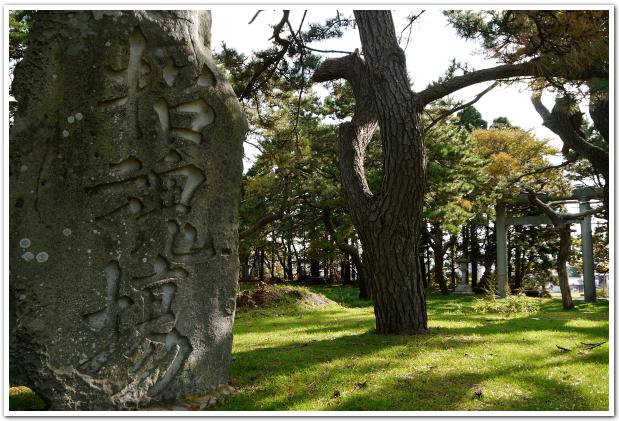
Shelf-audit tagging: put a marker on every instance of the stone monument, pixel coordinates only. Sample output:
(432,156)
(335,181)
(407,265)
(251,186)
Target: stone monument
(125,173)
(463,286)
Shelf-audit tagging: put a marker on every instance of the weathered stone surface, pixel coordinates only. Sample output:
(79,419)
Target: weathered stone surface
(125,168)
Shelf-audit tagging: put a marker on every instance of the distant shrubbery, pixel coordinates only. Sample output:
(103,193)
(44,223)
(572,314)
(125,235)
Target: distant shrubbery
(513,303)
(273,296)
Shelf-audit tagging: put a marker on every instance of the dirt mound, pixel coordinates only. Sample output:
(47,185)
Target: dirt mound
(272,295)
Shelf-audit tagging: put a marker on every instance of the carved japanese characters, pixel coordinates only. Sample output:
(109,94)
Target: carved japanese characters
(125,165)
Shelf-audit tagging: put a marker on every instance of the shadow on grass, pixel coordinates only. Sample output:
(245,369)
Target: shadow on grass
(512,361)
(286,377)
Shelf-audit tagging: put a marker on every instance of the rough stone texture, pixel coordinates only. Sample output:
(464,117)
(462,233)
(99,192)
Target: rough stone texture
(125,170)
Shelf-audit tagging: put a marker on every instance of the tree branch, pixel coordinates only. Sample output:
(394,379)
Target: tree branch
(533,68)
(560,220)
(274,60)
(354,136)
(262,222)
(506,71)
(255,16)
(541,170)
(272,217)
(559,121)
(461,107)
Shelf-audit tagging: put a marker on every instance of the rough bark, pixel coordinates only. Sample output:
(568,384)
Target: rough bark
(387,223)
(599,106)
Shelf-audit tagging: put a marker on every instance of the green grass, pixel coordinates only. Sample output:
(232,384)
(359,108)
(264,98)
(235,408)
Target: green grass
(330,359)
(291,357)
(22,398)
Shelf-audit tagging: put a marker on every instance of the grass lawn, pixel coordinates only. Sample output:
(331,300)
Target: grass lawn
(330,359)
(292,357)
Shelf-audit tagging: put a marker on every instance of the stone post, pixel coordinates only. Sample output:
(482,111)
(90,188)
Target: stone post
(125,174)
(587,253)
(463,286)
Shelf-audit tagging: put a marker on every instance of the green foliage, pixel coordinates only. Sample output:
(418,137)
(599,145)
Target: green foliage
(22,398)
(575,41)
(331,28)
(510,305)
(20,22)
(341,103)
(514,156)
(471,119)
(501,123)
(454,174)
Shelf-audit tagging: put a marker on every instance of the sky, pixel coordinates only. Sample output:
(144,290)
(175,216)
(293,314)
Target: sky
(432,46)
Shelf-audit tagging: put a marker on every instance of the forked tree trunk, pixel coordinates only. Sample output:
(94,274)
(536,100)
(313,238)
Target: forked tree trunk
(388,223)
(390,220)
(562,258)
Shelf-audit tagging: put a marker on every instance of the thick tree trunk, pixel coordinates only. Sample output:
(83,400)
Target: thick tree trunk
(562,258)
(388,223)
(392,265)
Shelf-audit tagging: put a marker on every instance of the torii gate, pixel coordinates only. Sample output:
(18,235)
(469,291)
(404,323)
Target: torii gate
(583,195)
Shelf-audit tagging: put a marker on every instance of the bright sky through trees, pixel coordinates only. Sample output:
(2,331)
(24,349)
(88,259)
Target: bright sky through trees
(433,44)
